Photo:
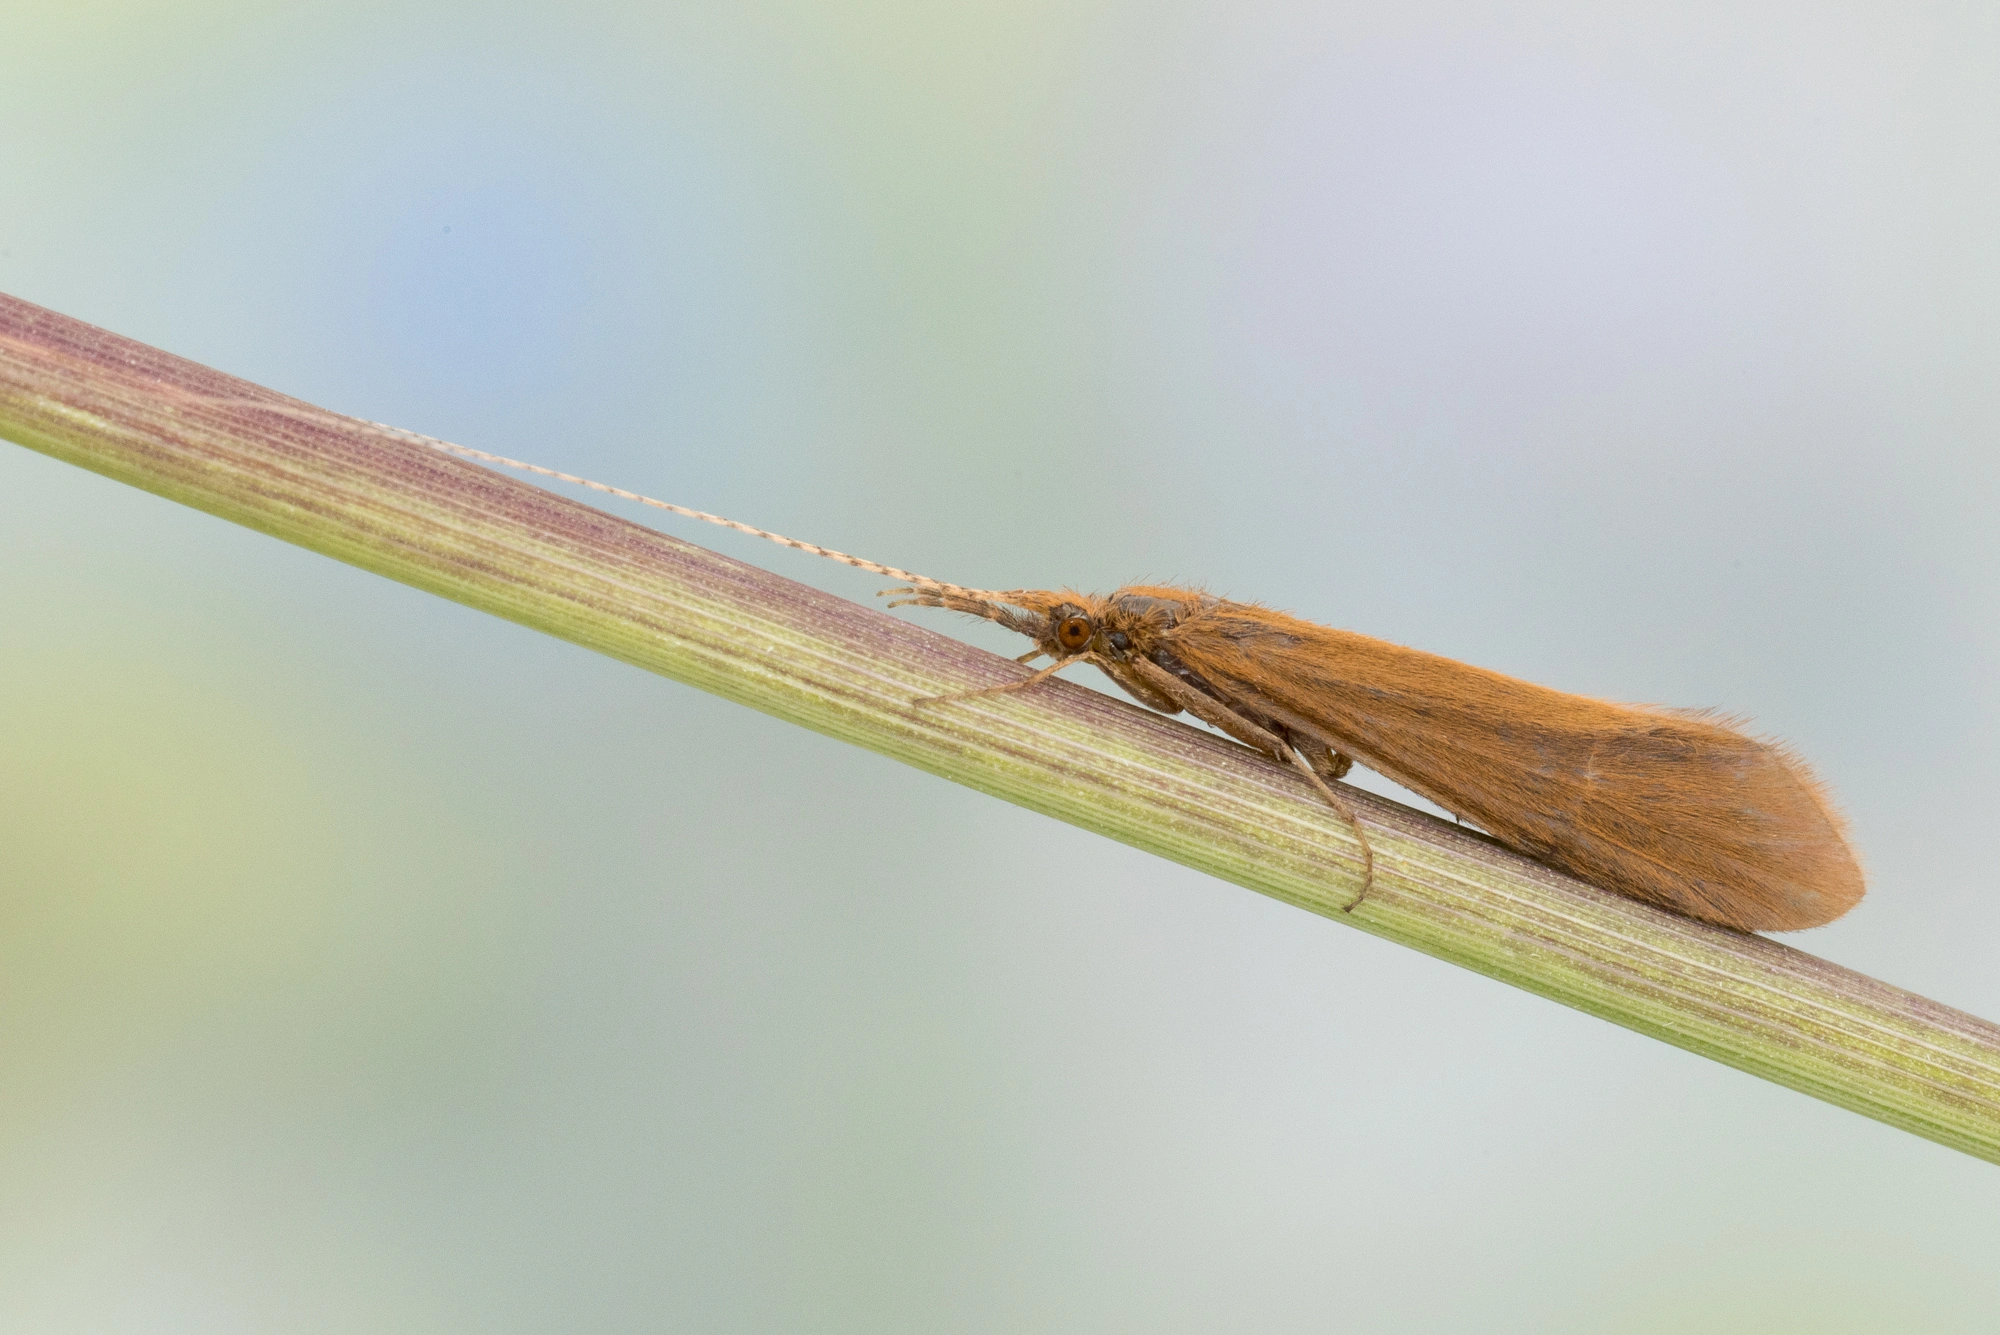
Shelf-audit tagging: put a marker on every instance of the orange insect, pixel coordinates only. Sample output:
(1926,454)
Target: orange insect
(1679,808)
(1676,807)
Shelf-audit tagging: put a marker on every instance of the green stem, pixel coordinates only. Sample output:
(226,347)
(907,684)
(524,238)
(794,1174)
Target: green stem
(361,494)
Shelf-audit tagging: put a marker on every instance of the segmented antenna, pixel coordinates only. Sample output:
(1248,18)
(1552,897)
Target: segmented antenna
(467,452)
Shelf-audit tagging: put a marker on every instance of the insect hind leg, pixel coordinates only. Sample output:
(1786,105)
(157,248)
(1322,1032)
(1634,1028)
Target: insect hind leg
(1346,812)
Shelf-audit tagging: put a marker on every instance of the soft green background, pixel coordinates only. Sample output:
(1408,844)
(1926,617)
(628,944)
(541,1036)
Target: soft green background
(366,964)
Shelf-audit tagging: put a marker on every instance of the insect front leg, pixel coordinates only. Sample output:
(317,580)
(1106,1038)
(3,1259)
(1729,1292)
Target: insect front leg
(1003,689)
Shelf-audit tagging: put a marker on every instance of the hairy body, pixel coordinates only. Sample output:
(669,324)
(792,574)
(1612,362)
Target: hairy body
(1679,808)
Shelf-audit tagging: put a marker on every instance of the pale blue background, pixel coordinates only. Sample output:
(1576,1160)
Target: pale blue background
(369,964)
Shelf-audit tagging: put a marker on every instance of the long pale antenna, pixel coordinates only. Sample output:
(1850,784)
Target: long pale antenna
(467,452)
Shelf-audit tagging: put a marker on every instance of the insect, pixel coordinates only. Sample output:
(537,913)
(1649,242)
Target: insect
(1679,808)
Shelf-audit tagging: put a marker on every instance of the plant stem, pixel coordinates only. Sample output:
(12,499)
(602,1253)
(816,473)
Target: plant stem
(358,493)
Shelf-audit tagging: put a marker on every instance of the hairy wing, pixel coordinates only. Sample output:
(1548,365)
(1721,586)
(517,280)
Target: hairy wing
(1676,807)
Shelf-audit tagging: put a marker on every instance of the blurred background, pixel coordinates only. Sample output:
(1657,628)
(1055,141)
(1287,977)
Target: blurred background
(367,963)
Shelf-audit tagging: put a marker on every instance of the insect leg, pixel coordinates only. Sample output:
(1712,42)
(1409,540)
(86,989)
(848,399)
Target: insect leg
(1217,714)
(1001,689)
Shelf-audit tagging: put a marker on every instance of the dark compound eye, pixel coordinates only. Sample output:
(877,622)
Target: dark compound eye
(1073,633)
